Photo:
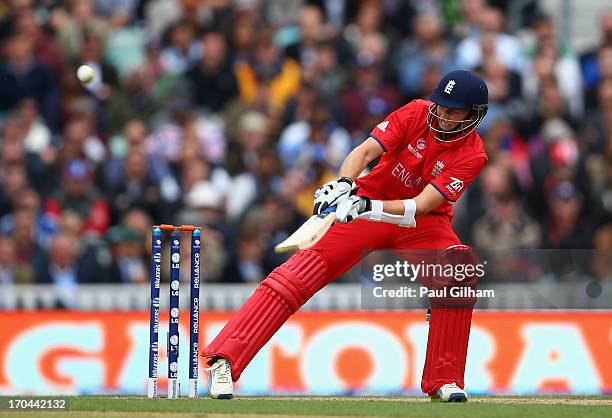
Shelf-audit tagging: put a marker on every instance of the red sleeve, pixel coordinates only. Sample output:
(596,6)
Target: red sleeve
(452,182)
(393,130)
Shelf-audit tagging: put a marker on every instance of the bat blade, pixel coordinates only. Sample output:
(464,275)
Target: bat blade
(308,234)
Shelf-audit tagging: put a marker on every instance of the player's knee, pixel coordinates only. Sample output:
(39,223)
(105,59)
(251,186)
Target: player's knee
(457,289)
(298,279)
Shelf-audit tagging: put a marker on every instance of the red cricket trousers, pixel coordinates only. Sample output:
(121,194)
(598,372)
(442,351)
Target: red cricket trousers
(290,285)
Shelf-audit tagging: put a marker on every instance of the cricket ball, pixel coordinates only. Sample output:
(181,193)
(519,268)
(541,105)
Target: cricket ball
(85,74)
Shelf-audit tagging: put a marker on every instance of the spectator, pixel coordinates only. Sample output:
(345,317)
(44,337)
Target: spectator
(248,264)
(127,256)
(598,123)
(137,220)
(46,49)
(252,136)
(184,135)
(269,69)
(312,31)
(319,137)
(368,98)
(196,169)
(27,200)
(14,153)
(80,141)
(13,181)
(566,228)
(556,161)
(595,62)
(24,235)
(72,25)
(427,48)
(135,100)
(62,270)
(134,138)
(138,189)
(368,21)
(505,225)
(205,207)
(117,12)
(490,23)
(548,107)
(262,180)
(327,75)
(11,270)
(553,62)
(21,76)
(156,81)
(213,80)
(77,193)
(37,137)
(505,87)
(182,49)
(241,38)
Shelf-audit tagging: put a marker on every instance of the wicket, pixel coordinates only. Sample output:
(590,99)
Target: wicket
(173,324)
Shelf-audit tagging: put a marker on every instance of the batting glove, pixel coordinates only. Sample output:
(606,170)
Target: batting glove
(349,209)
(331,193)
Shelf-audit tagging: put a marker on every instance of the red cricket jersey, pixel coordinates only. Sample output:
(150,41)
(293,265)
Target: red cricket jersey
(413,158)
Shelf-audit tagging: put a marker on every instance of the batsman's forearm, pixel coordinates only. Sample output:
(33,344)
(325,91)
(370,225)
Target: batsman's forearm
(359,158)
(393,207)
(353,164)
(396,207)
(425,202)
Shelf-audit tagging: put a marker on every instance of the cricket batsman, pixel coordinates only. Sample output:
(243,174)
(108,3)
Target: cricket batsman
(430,152)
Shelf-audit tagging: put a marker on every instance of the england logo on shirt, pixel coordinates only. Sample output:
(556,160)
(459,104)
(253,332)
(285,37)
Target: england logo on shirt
(437,168)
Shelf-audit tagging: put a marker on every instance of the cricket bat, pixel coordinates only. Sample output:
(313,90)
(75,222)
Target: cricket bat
(309,233)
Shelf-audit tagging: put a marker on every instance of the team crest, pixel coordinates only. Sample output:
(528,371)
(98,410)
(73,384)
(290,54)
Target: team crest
(420,143)
(449,86)
(437,168)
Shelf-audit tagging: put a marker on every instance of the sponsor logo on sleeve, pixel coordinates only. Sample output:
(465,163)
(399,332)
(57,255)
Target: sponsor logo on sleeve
(455,186)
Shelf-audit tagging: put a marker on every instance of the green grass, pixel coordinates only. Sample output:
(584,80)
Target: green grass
(489,407)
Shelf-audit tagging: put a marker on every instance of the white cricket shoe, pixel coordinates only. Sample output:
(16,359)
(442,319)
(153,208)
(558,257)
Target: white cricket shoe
(450,392)
(220,385)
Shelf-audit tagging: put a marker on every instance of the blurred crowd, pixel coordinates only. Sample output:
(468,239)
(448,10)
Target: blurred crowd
(229,114)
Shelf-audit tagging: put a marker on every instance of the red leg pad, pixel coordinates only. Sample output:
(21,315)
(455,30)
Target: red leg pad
(278,297)
(447,343)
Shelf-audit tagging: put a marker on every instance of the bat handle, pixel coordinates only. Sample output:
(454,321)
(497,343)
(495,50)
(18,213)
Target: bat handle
(330,209)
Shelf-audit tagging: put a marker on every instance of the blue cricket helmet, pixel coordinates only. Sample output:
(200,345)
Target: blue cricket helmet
(459,89)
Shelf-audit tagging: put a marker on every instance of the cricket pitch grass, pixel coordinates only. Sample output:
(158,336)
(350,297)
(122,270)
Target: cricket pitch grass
(338,407)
